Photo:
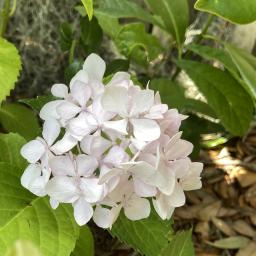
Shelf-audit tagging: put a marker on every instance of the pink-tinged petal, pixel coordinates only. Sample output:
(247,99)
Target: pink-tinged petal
(54,203)
(67,110)
(157,111)
(115,99)
(145,129)
(62,166)
(116,156)
(65,144)
(105,177)
(32,172)
(142,101)
(51,130)
(81,76)
(86,165)
(59,90)
(105,218)
(81,93)
(142,189)
(33,151)
(49,110)
(80,126)
(86,144)
(137,208)
(119,126)
(95,67)
(143,171)
(83,211)
(180,167)
(120,79)
(92,191)
(63,189)
(177,198)
(163,207)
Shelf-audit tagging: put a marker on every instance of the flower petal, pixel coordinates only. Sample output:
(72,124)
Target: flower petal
(54,203)
(65,144)
(32,172)
(145,129)
(142,189)
(83,211)
(86,165)
(137,208)
(81,93)
(33,151)
(180,149)
(49,110)
(119,126)
(51,130)
(116,156)
(120,79)
(59,90)
(177,198)
(62,166)
(62,189)
(163,207)
(67,110)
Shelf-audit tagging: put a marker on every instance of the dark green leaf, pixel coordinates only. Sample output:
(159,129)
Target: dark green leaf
(72,69)
(19,119)
(238,11)
(117,65)
(66,36)
(224,94)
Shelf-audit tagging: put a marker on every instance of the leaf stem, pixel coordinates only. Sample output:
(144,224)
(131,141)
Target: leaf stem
(72,51)
(13,9)
(4,17)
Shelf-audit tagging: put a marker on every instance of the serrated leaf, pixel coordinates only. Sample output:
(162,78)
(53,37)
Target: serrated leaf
(19,119)
(85,243)
(246,64)
(224,94)
(180,245)
(10,66)
(239,11)
(10,145)
(24,216)
(234,242)
(38,102)
(133,42)
(148,236)
(170,12)
(88,5)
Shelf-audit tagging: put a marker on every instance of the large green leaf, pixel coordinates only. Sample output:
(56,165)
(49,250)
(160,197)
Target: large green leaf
(10,145)
(19,119)
(246,64)
(148,236)
(24,216)
(23,248)
(180,245)
(238,11)
(88,5)
(224,94)
(174,13)
(133,42)
(85,243)
(10,65)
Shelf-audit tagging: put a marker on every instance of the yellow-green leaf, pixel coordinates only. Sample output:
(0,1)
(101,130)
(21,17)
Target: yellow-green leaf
(88,5)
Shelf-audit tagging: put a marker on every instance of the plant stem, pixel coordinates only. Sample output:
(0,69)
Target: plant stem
(13,9)
(199,38)
(4,17)
(72,51)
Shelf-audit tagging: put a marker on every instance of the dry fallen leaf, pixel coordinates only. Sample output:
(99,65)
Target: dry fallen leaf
(203,229)
(249,250)
(226,212)
(253,219)
(245,177)
(233,242)
(250,196)
(242,227)
(223,226)
(209,211)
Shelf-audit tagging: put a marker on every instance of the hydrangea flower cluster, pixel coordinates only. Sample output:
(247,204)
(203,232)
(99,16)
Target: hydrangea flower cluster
(108,147)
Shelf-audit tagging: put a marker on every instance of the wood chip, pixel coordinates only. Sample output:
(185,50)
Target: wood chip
(223,226)
(249,250)
(243,228)
(210,211)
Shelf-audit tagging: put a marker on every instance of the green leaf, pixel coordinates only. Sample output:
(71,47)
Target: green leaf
(22,248)
(38,102)
(10,145)
(175,15)
(66,36)
(117,65)
(88,5)
(238,11)
(246,64)
(133,42)
(224,94)
(71,70)
(180,245)
(10,66)
(85,243)
(233,242)
(148,236)
(24,216)
(19,119)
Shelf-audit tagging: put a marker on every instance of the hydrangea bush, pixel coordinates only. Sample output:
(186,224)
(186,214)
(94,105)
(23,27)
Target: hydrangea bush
(108,147)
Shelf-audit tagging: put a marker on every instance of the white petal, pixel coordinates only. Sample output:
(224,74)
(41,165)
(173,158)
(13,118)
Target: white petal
(65,144)
(115,99)
(163,207)
(137,208)
(62,166)
(95,67)
(142,189)
(115,156)
(67,110)
(81,93)
(86,165)
(177,198)
(104,177)
(145,129)
(81,76)
(104,217)
(54,203)
(180,167)
(32,172)
(120,79)
(142,101)
(33,151)
(59,90)
(62,189)
(49,110)
(51,130)
(119,126)
(92,191)
(87,143)
(180,149)
(82,211)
